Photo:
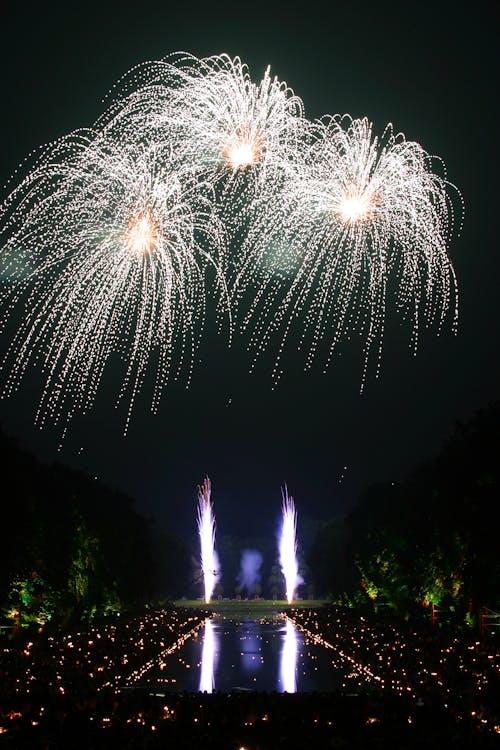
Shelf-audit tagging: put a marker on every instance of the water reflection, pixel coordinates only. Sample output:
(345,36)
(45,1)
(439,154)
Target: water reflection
(263,655)
(250,654)
(207,672)
(288,663)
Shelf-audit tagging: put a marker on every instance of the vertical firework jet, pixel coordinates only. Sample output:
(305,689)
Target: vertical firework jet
(206,531)
(288,544)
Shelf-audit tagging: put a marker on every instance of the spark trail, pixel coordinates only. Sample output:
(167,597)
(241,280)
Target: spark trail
(116,239)
(104,249)
(240,135)
(363,222)
(288,545)
(206,531)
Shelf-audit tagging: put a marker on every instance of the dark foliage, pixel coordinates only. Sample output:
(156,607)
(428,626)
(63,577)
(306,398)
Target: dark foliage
(429,541)
(72,548)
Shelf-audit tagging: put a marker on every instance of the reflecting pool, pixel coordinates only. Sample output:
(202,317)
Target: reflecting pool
(269,654)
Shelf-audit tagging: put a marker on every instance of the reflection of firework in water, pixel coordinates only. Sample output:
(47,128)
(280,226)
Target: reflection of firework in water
(288,662)
(206,531)
(288,545)
(207,667)
(102,245)
(359,216)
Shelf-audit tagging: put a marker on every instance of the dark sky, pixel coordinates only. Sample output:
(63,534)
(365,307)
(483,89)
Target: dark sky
(430,68)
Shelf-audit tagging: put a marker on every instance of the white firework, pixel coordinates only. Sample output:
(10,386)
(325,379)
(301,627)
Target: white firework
(288,545)
(239,135)
(105,245)
(208,656)
(288,660)
(103,251)
(359,216)
(206,532)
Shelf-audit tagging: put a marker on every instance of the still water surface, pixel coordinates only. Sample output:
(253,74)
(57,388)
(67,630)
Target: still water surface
(268,654)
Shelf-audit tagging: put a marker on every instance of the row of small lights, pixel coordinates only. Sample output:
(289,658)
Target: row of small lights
(138,673)
(400,682)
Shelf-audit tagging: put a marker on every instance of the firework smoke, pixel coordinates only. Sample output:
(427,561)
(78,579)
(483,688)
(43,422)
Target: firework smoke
(249,575)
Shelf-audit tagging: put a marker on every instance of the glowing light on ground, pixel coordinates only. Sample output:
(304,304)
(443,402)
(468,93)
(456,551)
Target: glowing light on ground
(206,532)
(288,545)
(207,673)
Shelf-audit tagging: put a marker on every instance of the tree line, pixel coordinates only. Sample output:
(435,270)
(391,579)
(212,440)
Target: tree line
(73,549)
(428,543)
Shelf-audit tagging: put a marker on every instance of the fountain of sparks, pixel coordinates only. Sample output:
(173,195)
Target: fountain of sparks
(207,677)
(206,531)
(288,545)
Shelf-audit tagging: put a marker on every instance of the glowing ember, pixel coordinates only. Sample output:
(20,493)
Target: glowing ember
(206,531)
(288,545)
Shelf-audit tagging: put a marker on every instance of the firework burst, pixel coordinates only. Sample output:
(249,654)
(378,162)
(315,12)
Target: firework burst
(359,216)
(105,243)
(241,136)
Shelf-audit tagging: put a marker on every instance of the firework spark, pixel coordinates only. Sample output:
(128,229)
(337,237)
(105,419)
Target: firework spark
(288,545)
(241,136)
(206,532)
(361,219)
(105,245)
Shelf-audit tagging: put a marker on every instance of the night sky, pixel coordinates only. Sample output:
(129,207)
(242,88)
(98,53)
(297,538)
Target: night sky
(430,69)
